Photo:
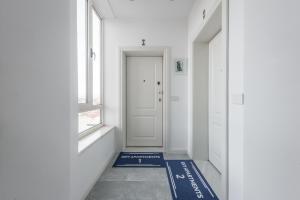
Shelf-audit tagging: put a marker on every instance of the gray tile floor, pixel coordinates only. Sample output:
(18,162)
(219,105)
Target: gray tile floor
(134,183)
(212,175)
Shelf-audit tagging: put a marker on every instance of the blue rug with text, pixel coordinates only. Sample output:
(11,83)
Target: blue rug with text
(187,182)
(147,159)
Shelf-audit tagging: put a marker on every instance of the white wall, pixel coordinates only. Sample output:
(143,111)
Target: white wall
(195,24)
(236,111)
(35,95)
(38,120)
(264,45)
(87,166)
(200,100)
(120,33)
(90,164)
(196,15)
(272,85)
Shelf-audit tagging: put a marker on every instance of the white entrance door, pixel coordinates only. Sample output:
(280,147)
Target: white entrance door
(144,101)
(217,102)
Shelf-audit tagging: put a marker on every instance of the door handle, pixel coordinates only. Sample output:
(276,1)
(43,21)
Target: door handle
(93,54)
(159,99)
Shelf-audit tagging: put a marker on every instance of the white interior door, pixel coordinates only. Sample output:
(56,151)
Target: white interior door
(217,102)
(144,101)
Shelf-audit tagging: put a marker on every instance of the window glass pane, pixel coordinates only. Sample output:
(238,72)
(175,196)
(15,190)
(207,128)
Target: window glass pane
(89,119)
(89,73)
(81,50)
(97,58)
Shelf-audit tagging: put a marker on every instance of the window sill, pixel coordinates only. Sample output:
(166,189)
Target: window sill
(90,139)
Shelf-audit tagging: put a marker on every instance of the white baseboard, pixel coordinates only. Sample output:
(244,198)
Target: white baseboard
(155,149)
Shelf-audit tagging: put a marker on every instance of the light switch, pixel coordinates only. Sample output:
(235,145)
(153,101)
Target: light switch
(238,99)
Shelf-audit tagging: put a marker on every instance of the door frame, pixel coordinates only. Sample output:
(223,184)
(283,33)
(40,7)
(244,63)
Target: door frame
(145,51)
(216,16)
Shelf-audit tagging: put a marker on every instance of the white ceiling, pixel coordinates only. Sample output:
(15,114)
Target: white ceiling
(148,9)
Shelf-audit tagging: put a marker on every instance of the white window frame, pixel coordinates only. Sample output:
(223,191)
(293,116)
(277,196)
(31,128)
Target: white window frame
(88,106)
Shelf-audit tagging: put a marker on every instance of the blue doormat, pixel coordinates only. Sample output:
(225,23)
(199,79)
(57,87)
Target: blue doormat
(187,182)
(130,159)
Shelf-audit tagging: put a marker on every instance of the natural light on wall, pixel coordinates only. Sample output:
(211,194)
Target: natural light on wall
(89,68)
(82,51)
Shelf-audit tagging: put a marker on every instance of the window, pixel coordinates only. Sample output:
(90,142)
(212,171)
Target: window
(89,69)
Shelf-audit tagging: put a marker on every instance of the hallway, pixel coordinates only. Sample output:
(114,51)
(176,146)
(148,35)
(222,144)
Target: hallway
(201,97)
(144,183)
